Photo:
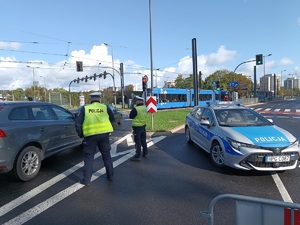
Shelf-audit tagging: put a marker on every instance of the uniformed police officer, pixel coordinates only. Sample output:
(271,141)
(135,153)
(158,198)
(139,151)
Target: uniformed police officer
(138,115)
(94,123)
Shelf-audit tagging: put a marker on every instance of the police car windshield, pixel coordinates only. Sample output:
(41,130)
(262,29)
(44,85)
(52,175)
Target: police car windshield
(237,117)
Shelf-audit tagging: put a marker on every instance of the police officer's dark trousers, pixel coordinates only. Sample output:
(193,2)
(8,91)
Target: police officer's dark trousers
(90,145)
(139,134)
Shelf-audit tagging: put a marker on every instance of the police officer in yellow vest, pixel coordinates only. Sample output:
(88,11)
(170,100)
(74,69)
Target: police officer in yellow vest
(138,115)
(94,123)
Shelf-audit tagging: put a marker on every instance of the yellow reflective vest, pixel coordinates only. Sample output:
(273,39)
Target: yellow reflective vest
(96,120)
(140,119)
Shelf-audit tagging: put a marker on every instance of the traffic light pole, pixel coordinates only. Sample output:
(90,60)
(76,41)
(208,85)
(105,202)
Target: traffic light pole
(253,60)
(70,98)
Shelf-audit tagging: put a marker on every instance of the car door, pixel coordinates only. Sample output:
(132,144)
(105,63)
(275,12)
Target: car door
(66,123)
(46,128)
(205,131)
(194,124)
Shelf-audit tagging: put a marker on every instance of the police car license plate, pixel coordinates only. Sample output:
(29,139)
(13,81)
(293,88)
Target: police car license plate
(278,158)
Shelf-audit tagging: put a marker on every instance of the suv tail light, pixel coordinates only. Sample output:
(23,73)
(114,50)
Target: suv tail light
(2,134)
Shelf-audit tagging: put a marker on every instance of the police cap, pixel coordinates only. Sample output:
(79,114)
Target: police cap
(95,95)
(138,98)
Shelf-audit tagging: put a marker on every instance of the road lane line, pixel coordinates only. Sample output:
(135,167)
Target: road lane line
(25,197)
(36,210)
(282,190)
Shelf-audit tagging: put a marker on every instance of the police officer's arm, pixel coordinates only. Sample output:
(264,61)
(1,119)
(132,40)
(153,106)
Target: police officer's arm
(133,113)
(111,115)
(78,122)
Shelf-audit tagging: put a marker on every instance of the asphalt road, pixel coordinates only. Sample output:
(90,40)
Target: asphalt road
(172,186)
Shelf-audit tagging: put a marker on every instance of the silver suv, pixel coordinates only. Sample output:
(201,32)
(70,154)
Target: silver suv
(30,132)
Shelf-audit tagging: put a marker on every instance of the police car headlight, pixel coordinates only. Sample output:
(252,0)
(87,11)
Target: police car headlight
(295,143)
(237,145)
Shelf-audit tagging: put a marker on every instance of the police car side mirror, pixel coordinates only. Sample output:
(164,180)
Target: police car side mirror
(205,123)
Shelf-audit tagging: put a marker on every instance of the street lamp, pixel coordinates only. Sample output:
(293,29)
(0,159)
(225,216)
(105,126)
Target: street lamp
(113,68)
(33,81)
(156,76)
(44,87)
(99,77)
(292,74)
(264,61)
(281,76)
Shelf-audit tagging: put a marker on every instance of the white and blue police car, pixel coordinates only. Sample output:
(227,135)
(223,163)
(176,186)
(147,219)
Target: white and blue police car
(238,137)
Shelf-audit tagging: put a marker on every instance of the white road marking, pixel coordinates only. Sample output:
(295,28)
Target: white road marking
(25,197)
(36,210)
(282,190)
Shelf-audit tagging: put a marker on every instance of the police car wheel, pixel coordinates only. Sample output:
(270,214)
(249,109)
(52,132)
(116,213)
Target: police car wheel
(188,135)
(217,155)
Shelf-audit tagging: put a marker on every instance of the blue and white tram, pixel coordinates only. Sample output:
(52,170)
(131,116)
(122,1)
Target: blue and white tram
(168,98)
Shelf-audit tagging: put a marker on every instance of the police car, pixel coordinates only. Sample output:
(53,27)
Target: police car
(238,137)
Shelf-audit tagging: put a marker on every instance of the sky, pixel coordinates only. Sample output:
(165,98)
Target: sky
(42,40)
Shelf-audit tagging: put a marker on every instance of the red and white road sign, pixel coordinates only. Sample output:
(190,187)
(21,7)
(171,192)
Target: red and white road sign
(151,104)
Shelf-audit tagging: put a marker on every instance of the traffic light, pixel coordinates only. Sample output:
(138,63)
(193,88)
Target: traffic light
(104,74)
(218,85)
(86,78)
(79,66)
(78,79)
(144,82)
(259,59)
(95,76)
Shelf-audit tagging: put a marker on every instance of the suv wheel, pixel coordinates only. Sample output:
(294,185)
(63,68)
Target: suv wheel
(217,155)
(28,163)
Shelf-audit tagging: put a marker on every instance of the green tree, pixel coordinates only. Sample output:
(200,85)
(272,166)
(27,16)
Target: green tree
(219,75)
(181,82)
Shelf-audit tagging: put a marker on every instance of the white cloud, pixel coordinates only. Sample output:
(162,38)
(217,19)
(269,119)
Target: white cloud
(60,74)
(221,56)
(10,45)
(286,61)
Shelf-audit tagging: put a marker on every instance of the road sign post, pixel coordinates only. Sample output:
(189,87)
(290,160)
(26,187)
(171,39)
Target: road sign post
(151,106)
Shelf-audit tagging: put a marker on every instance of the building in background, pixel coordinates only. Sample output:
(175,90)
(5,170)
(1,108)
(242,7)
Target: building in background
(290,83)
(267,82)
(169,84)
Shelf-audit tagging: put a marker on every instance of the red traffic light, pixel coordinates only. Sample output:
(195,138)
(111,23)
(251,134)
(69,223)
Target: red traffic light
(145,79)
(79,66)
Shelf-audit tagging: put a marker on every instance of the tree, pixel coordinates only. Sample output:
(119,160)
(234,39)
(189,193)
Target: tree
(219,75)
(181,82)
(107,96)
(127,92)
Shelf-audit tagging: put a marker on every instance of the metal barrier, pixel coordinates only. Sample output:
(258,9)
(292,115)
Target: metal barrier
(258,211)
